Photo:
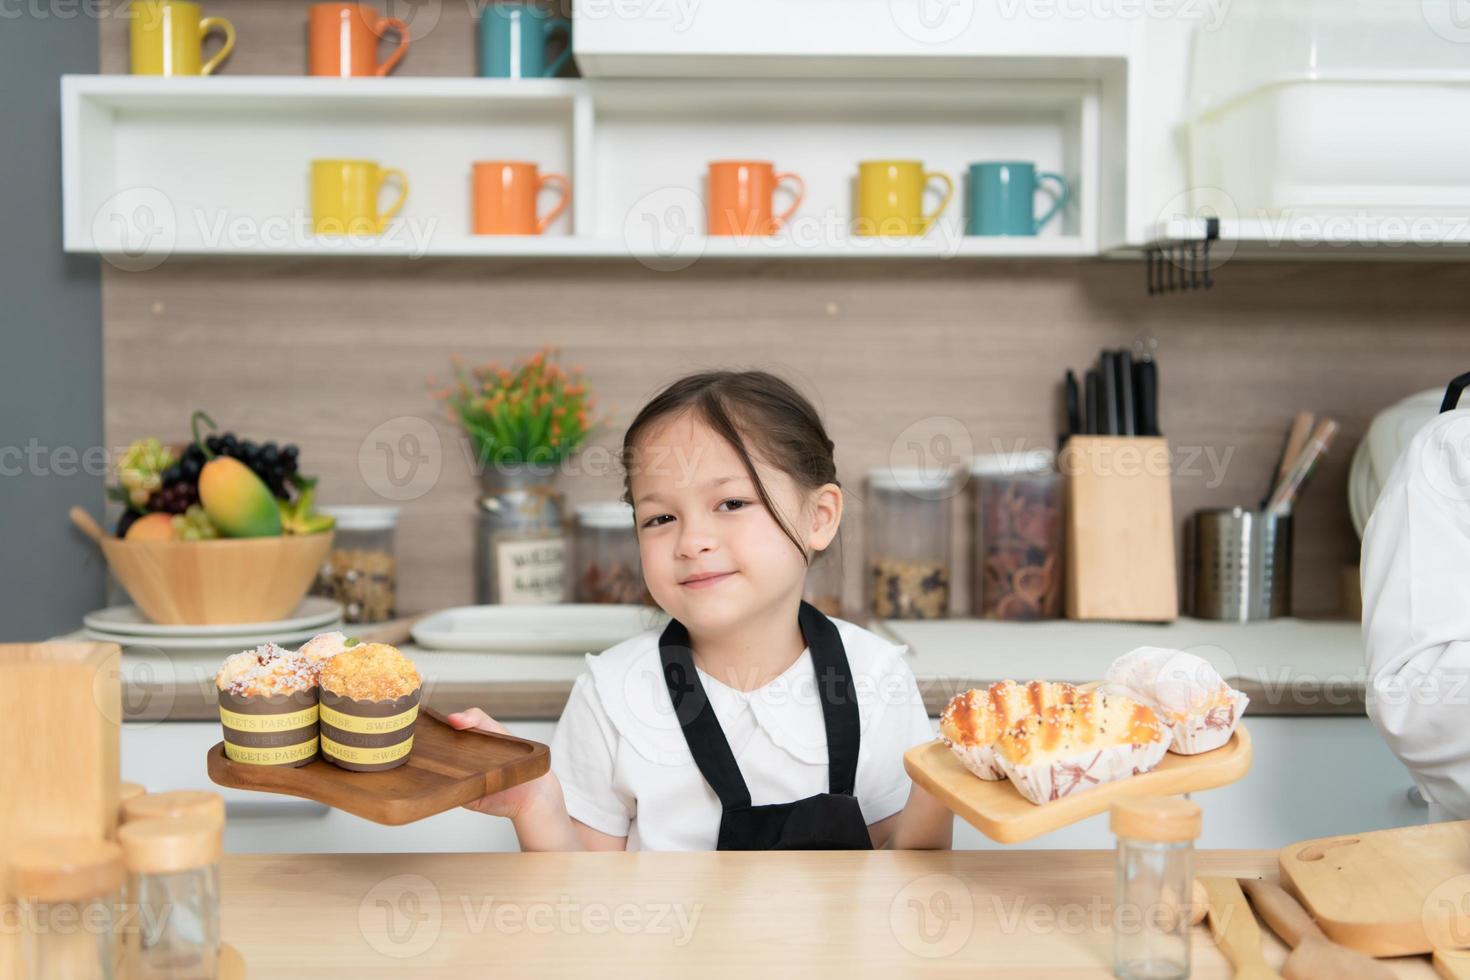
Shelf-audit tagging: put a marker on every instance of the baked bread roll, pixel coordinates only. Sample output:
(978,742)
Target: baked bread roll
(1191,698)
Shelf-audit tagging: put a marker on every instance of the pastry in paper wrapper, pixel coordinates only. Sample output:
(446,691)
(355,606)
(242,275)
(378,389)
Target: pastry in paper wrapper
(1080,739)
(1189,696)
(369,707)
(974,719)
(268,707)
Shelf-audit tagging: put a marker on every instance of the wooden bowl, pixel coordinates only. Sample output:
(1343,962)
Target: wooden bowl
(211,583)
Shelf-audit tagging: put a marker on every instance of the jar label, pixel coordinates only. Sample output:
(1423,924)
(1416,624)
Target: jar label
(531,571)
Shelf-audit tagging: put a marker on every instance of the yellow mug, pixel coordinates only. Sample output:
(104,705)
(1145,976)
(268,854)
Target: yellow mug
(344,197)
(891,197)
(168,38)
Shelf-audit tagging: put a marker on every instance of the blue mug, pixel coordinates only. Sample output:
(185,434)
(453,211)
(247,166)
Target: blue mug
(513,39)
(1002,199)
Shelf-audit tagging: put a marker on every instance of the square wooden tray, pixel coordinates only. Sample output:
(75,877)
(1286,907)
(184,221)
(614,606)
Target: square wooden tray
(999,812)
(445,769)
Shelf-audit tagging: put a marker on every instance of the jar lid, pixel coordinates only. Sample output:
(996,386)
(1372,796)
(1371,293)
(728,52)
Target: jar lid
(66,869)
(925,482)
(171,844)
(1162,819)
(1029,462)
(605,514)
(178,803)
(355,518)
(129,791)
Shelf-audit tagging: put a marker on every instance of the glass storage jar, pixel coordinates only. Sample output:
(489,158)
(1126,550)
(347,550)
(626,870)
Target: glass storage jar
(1016,570)
(520,551)
(173,895)
(606,567)
(908,546)
(1155,886)
(68,893)
(361,570)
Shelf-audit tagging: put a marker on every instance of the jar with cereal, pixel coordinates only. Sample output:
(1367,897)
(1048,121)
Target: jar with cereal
(361,571)
(605,554)
(1016,553)
(908,546)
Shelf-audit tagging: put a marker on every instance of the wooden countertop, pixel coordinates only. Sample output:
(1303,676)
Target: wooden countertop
(1013,913)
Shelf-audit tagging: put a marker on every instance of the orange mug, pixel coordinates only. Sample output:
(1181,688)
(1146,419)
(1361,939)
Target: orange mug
(741,194)
(505,197)
(344,40)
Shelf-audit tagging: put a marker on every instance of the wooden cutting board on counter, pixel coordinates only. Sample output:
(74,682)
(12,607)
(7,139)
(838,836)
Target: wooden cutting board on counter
(1388,892)
(999,812)
(445,769)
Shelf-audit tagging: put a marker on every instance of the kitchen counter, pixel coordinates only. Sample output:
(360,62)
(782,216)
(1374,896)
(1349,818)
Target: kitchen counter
(1008,913)
(1287,666)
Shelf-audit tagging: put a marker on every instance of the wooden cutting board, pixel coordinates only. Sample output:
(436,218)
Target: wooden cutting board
(1388,892)
(1004,815)
(445,769)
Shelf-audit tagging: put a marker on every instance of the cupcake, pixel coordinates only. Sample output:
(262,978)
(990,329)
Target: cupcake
(369,703)
(973,720)
(1076,739)
(1191,698)
(268,707)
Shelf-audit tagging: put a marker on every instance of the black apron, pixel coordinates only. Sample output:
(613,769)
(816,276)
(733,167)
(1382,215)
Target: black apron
(827,821)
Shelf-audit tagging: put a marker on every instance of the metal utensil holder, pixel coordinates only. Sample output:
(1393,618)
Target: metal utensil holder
(1240,564)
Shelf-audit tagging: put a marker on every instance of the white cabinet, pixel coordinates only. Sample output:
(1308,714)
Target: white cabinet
(1312,777)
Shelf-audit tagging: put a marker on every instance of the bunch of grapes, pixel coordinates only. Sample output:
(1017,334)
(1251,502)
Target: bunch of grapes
(274,465)
(194,525)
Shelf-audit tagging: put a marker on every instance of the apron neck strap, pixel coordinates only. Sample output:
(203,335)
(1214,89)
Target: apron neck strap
(706,740)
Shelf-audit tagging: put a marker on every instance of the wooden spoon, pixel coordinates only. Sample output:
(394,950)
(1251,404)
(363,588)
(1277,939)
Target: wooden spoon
(86,524)
(1235,929)
(1313,955)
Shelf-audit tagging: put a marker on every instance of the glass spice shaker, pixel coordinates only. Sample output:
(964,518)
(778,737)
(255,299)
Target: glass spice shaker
(360,571)
(606,565)
(68,893)
(1016,521)
(908,530)
(173,895)
(1155,885)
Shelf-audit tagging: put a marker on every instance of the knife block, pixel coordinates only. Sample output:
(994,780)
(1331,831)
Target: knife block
(60,711)
(1120,529)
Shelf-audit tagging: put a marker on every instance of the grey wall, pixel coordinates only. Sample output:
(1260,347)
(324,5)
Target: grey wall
(50,335)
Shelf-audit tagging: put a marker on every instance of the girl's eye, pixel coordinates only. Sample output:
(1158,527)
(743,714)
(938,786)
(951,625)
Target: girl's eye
(656,521)
(736,501)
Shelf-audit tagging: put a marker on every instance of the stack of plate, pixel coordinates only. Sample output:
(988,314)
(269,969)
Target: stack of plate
(127,626)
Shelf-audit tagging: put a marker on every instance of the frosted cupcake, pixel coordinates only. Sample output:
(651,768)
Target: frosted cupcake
(268,707)
(369,705)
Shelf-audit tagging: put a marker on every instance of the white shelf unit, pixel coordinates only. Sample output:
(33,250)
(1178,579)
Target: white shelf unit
(154,167)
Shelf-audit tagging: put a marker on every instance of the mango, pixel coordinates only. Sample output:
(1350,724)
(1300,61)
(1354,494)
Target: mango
(237,501)
(151,527)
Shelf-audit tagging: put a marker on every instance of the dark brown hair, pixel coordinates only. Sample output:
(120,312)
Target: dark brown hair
(774,417)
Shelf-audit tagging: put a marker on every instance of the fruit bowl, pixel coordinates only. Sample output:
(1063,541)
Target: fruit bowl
(211,583)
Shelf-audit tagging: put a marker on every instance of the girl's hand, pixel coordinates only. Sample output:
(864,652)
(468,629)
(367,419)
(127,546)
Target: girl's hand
(518,800)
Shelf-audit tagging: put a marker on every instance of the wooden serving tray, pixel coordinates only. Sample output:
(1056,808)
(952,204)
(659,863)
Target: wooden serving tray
(1387,892)
(445,769)
(1004,815)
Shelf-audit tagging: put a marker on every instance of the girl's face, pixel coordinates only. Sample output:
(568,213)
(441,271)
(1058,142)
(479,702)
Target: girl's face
(713,556)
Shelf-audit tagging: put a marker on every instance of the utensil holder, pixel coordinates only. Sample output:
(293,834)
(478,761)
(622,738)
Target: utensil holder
(1240,564)
(1120,529)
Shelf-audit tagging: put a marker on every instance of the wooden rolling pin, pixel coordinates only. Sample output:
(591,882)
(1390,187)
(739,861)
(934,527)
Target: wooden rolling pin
(1313,955)
(1235,929)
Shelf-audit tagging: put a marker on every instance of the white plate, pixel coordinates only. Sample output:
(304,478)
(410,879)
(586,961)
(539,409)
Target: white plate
(314,611)
(560,628)
(204,644)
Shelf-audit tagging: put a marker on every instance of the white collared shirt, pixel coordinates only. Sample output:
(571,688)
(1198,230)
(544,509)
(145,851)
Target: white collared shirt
(626,770)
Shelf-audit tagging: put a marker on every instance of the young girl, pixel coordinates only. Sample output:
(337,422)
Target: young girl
(751,721)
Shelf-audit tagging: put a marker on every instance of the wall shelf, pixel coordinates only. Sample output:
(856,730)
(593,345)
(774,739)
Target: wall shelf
(154,167)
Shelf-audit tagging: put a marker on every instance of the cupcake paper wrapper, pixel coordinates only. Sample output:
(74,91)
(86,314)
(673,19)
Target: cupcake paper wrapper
(270,730)
(368,736)
(1196,735)
(1063,777)
(978,759)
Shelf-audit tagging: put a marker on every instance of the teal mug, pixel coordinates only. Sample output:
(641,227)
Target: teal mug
(1002,199)
(513,39)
